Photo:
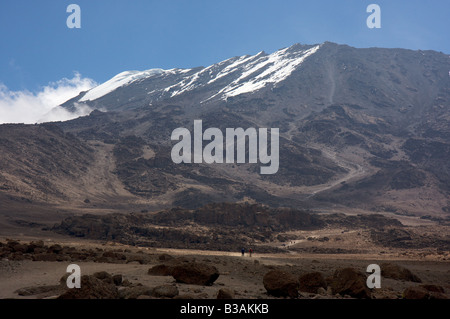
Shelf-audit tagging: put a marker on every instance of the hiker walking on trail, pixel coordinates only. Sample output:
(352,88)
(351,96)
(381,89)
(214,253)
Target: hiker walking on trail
(243,251)
(250,252)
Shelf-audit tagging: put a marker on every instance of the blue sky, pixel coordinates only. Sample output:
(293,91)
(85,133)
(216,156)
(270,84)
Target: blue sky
(117,35)
(36,47)
(38,50)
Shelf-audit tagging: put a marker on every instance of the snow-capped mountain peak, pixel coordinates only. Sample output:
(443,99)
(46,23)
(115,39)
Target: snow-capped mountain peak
(273,68)
(235,76)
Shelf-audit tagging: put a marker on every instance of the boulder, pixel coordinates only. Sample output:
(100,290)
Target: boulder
(117,279)
(114,255)
(165,291)
(160,270)
(12,243)
(136,258)
(434,288)
(416,293)
(165,257)
(36,290)
(91,288)
(349,281)
(40,250)
(134,292)
(322,291)
(109,254)
(225,293)
(311,282)
(55,249)
(44,257)
(37,244)
(424,292)
(144,297)
(394,271)
(281,284)
(63,279)
(19,256)
(185,296)
(20,248)
(104,276)
(195,273)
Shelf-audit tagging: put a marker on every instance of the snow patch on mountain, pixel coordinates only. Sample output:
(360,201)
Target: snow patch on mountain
(187,84)
(269,69)
(121,79)
(233,67)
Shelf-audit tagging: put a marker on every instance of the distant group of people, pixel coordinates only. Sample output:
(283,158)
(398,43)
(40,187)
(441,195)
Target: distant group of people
(250,252)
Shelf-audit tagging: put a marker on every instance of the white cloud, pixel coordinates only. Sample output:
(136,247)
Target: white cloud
(28,107)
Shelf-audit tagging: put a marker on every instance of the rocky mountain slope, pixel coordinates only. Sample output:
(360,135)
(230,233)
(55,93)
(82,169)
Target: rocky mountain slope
(360,129)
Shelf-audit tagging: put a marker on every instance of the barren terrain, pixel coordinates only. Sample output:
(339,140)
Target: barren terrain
(24,275)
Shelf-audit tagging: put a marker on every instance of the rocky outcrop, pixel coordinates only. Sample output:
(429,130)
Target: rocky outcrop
(38,251)
(218,226)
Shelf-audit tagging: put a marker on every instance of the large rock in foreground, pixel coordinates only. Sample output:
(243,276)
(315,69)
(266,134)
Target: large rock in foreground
(161,270)
(424,292)
(225,293)
(92,288)
(280,284)
(195,274)
(394,271)
(349,281)
(165,291)
(311,282)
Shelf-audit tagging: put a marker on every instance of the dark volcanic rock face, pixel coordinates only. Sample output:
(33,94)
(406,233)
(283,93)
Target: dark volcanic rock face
(228,226)
(401,238)
(220,226)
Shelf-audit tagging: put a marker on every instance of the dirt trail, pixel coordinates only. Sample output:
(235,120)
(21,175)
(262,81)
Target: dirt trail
(355,171)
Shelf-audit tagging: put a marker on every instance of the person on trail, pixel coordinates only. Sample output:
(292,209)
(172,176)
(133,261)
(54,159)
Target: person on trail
(243,251)
(250,252)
